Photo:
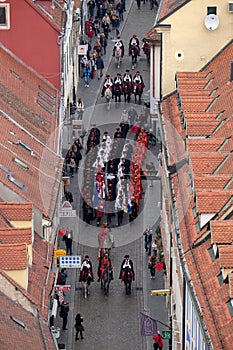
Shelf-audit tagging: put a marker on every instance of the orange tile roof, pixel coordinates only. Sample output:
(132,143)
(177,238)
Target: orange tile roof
(200,128)
(211,182)
(36,169)
(17,211)
(212,201)
(40,276)
(15,235)
(221,231)
(14,336)
(206,163)
(29,99)
(227,166)
(226,257)
(212,295)
(13,256)
(204,145)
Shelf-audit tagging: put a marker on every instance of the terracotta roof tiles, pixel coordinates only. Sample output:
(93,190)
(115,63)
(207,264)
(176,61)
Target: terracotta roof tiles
(206,163)
(212,201)
(204,145)
(210,182)
(28,99)
(15,235)
(200,127)
(19,211)
(226,257)
(15,336)
(13,256)
(221,231)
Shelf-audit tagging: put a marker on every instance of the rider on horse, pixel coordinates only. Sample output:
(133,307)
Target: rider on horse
(104,262)
(118,86)
(107,84)
(127,78)
(127,263)
(119,43)
(86,265)
(134,42)
(137,79)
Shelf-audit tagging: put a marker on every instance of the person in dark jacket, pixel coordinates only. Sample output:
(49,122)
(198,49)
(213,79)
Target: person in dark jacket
(78,326)
(64,314)
(99,66)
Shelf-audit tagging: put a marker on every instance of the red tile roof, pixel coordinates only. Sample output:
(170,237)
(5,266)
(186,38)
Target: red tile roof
(206,163)
(28,167)
(200,127)
(213,201)
(222,231)
(170,6)
(29,99)
(35,334)
(40,275)
(211,182)
(226,257)
(15,235)
(210,166)
(13,256)
(212,295)
(204,145)
(19,211)
(50,10)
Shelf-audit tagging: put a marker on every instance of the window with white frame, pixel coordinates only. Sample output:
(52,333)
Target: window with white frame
(4,16)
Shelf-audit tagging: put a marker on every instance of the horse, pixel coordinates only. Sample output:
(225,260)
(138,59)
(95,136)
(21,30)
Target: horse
(127,91)
(86,278)
(127,278)
(117,92)
(138,90)
(134,54)
(106,279)
(146,50)
(108,96)
(118,56)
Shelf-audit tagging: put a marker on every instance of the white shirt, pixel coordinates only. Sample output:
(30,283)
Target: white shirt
(137,79)
(127,264)
(118,80)
(127,77)
(85,264)
(108,82)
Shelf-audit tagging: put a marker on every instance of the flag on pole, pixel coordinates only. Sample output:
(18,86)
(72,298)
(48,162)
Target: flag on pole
(148,325)
(61,297)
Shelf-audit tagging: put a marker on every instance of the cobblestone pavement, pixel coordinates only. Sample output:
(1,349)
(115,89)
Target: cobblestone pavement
(113,322)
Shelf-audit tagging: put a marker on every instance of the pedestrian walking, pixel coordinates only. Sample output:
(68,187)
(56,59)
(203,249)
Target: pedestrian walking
(64,314)
(87,74)
(99,66)
(68,238)
(72,166)
(73,109)
(61,278)
(68,196)
(155,248)
(148,239)
(80,108)
(158,341)
(104,42)
(78,326)
(151,265)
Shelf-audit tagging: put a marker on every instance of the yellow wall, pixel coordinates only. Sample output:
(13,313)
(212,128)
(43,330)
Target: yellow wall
(19,276)
(21,224)
(189,35)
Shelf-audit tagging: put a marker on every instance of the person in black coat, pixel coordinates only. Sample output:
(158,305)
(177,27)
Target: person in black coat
(99,66)
(64,314)
(78,326)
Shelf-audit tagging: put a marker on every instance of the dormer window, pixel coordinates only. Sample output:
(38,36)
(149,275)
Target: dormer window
(4,16)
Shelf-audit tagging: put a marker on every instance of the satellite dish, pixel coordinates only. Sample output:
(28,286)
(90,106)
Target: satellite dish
(211,22)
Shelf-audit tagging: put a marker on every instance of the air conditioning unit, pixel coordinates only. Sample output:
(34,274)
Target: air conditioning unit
(230,6)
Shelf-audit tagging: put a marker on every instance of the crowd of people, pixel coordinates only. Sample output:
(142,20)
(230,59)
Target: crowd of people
(113,170)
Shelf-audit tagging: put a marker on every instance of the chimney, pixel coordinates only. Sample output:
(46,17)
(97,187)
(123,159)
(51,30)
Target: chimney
(231,73)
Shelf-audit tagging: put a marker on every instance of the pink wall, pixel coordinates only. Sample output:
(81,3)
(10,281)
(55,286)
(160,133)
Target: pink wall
(32,39)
